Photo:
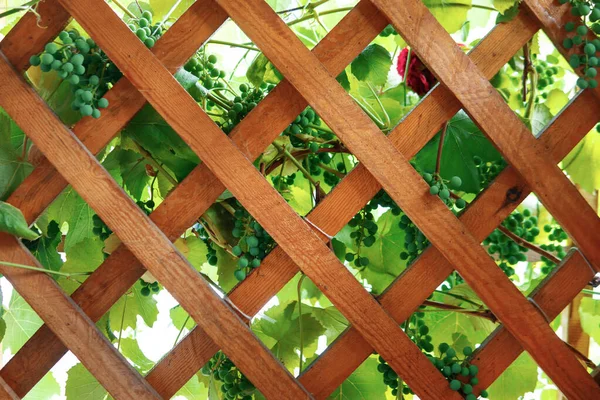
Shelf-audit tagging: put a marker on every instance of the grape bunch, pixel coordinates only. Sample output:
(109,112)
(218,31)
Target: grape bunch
(458,371)
(585,59)
(149,287)
(488,171)
(557,235)
(241,105)
(235,385)
(546,76)
(102,230)
(80,62)
(145,30)
(203,67)
(508,253)
(414,240)
(364,232)
(440,187)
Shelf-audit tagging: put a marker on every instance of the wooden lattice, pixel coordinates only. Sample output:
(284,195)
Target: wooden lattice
(69,321)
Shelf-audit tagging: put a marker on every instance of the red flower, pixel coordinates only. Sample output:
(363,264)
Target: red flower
(419,79)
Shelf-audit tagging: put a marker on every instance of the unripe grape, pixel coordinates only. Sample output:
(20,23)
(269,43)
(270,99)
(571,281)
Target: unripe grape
(455,384)
(86,110)
(46,59)
(145,291)
(77,59)
(434,190)
(467,351)
(483,393)
(467,389)
(74,79)
(149,42)
(143,22)
(141,34)
(460,203)
(570,26)
(455,182)
(582,30)
(147,15)
(96,113)
(444,194)
(87,96)
(589,49)
(568,43)
(103,103)
(35,60)
(582,83)
(577,40)
(592,83)
(64,36)
(243,262)
(212,59)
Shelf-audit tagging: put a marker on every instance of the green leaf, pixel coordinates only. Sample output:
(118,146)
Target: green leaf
(131,167)
(332,320)
(45,248)
(503,5)
(194,249)
(262,70)
(450,14)
(283,336)
(589,312)
(13,170)
(13,222)
(82,385)
(521,377)
(85,256)
(372,64)
(194,390)
(21,323)
(556,100)
(540,118)
(583,162)
(151,131)
(45,389)
(364,384)
(509,14)
(69,207)
(135,304)
(160,8)
(179,316)
(131,350)
(463,141)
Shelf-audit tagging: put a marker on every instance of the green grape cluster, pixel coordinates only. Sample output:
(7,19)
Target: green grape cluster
(145,30)
(363,234)
(441,188)
(414,240)
(149,288)
(84,65)
(586,59)
(241,105)
(556,235)
(546,76)
(235,385)
(488,171)
(203,66)
(508,253)
(388,31)
(458,371)
(100,229)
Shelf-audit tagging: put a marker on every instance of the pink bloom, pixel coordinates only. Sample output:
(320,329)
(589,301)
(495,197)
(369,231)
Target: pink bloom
(419,79)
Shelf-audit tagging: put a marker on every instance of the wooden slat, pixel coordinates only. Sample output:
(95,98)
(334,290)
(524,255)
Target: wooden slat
(500,349)
(135,229)
(411,193)
(28,36)
(63,316)
(44,184)
(116,275)
(486,212)
(487,108)
(6,392)
(349,196)
(259,198)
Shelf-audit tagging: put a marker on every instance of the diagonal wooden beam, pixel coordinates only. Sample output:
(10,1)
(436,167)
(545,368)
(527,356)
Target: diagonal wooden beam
(247,184)
(6,392)
(146,242)
(116,275)
(411,193)
(67,320)
(348,197)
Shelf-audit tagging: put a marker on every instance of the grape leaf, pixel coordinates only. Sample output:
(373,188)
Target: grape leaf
(21,323)
(131,167)
(589,312)
(463,141)
(583,162)
(13,222)
(503,5)
(194,389)
(82,385)
(13,170)
(519,378)
(135,304)
(69,207)
(540,118)
(179,316)
(283,335)
(372,64)
(131,350)
(194,249)
(364,384)
(45,389)
(451,15)
(85,256)
(45,248)
(160,8)
(262,70)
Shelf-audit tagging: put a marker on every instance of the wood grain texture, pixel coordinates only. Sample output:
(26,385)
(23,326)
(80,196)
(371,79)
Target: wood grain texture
(116,275)
(29,36)
(147,243)
(249,187)
(504,128)
(6,392)
(482,216)
(347,198)
(411,193)
(63,316)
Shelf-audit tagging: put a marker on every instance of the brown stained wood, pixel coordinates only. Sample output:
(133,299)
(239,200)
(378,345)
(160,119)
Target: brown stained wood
(260,199)
(6,392)
(44,184)
(67,320)
(29,36)
(346,200)
(486,212)
(500,349)
(142,237)
(411,193)
(504,128)
(177,213)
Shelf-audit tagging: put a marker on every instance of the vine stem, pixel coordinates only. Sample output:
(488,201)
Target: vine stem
(231,44)
(122,323)
(438,160)
(526,63)
(299,291)
(44,270)
(22,7)
(124,9)
(487,314)
(311,16)
(24,150)
(299,165)
(181,330)
(529,245)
